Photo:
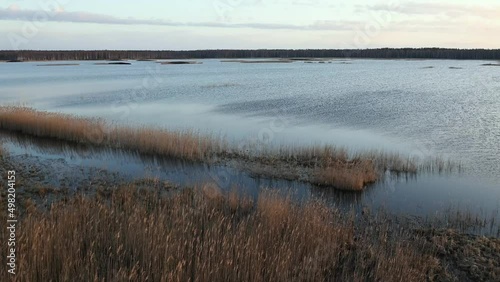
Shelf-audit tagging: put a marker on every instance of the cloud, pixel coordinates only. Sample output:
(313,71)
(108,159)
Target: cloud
(14,7)
(84,17)
(429,8)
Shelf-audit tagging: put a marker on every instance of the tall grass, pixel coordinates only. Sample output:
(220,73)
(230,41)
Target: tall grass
(354,176)
(321,165)
(198,235)
(180,144)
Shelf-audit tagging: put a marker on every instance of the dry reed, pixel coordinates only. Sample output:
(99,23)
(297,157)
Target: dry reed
(136,235)
(325,165)
(351,177)
(187,145)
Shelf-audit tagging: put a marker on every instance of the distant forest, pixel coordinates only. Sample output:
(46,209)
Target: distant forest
(383,53)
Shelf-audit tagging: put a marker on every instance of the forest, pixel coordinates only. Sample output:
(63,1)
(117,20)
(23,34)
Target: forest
(382,53)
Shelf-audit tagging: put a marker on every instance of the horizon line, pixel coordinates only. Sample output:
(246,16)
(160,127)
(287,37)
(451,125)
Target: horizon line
(251,49)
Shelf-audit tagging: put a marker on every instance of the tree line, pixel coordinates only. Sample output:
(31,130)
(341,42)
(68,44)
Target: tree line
(382,53)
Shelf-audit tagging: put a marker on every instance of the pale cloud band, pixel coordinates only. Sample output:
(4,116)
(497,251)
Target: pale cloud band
(395,24)
(84,17)
(408,8)
(434,8)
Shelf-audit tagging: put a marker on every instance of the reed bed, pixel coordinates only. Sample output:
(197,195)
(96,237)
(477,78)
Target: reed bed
(331,156)
(351,177)
(186,145)
(324,165)
(132,234)
(307,156)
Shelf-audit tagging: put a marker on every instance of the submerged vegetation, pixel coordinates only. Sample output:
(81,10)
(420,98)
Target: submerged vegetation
(321,165)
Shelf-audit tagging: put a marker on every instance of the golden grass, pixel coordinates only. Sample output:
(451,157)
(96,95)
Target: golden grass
(310,156)
(179,144)
(134,234)
(351,177)
(325,165)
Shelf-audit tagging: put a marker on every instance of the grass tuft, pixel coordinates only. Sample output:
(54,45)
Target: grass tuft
(352,177)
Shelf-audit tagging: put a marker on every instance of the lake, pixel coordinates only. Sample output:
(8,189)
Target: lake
(416,107)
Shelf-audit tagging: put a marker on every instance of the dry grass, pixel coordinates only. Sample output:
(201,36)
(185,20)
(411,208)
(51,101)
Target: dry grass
(476,257)
(393,162)
(310,156)
(351,177)
(204,235)
(186,144)
(325,165)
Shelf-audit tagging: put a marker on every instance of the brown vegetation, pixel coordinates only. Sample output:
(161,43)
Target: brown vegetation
(470,258)
(352,177)
(322,165)
(203,235)
(186,145)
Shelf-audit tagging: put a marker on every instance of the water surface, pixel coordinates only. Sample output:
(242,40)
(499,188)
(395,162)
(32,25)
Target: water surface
(393,105)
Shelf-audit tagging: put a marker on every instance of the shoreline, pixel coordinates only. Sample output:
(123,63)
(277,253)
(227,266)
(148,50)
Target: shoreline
(238,60)
(385,53)
(327,165)
(444,254)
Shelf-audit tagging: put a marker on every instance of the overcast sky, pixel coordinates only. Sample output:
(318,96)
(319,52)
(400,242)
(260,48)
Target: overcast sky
(247,24)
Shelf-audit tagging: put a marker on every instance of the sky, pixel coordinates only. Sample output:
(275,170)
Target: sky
(247,24)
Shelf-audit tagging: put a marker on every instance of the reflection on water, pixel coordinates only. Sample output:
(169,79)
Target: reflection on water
(132,165)
(422,194)
(393,105)
(383,104)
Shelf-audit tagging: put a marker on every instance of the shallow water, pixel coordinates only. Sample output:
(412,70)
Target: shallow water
(394,105)
(419,195)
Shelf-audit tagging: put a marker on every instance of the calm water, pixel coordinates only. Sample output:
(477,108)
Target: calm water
(395,105)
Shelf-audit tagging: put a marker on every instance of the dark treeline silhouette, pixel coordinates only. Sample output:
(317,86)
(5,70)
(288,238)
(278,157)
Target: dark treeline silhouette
(383,53)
